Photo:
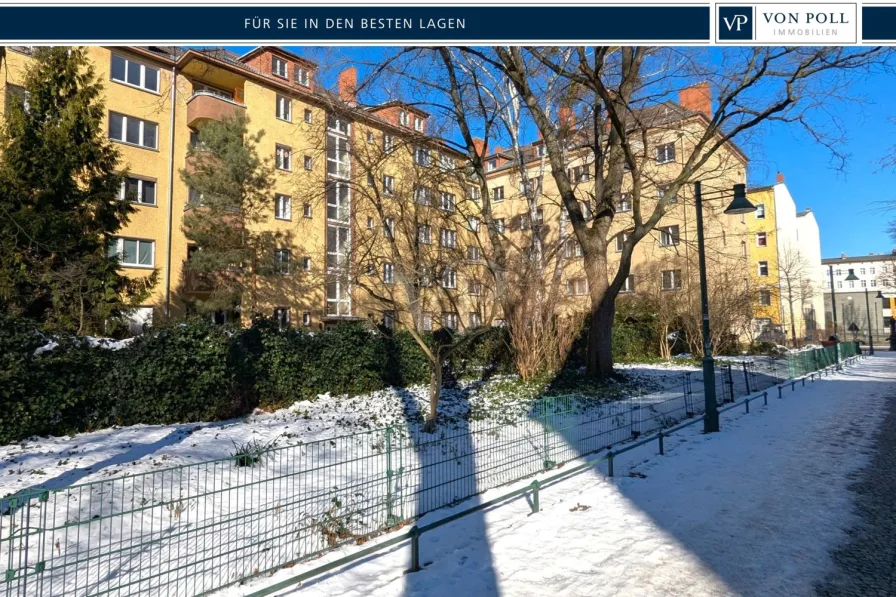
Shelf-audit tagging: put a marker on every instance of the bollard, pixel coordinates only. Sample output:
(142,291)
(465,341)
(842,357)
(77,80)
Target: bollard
(535,503)
(779,392)
(765,398)
(747,404)
(662,448)
(610,463)
(793,386)
(415,550)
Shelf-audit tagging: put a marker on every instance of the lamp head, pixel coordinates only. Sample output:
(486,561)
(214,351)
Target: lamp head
(740,204)
(852,277)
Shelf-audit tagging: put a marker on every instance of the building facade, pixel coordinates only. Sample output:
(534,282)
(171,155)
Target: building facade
(876,273)
(784,248)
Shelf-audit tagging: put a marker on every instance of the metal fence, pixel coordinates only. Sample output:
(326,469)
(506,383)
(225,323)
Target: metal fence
(193,529)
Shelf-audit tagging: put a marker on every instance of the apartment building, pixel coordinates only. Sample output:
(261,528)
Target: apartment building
(665,262)
(876,273)
(344,175)
(784,249)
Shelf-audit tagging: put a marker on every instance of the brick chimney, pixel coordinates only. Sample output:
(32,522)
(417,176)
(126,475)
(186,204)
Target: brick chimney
(479,146)
(348,85)
(697,98)
(566,118)
(779,179)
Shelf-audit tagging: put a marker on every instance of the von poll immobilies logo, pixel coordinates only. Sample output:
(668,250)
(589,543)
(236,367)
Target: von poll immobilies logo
(735,23)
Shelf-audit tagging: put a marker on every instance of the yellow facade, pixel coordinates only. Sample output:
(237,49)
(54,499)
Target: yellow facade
(194,86)
(762,246)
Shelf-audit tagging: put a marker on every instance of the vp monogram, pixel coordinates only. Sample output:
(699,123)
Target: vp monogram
(735,23)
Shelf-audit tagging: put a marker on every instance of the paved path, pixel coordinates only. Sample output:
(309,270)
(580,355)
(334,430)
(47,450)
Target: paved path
(865,564)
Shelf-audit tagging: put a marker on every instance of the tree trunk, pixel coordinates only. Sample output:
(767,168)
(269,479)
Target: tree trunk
(435,390)
(600,339)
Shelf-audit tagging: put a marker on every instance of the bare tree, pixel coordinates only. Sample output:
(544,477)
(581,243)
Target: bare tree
(612,88)
(795,286)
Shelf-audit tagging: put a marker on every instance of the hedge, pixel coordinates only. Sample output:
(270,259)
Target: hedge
(197,371)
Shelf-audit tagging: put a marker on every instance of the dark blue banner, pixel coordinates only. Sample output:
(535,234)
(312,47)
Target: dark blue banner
(879,23)
(216,24)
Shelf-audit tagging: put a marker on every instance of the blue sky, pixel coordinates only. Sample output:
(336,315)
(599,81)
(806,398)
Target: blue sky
(845,203)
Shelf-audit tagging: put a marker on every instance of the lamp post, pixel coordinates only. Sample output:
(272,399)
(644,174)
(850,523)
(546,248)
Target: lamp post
(834,313)
(870,331)
(739,205)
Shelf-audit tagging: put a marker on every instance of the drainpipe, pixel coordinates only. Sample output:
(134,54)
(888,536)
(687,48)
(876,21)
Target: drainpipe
(170,193)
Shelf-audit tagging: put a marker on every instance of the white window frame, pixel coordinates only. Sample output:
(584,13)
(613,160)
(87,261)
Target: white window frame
(448,238)
(674,278)
(282,207)
(140,190)
(283,266)
(302,76)
(763,236)
(403,118)
(760,265)
(388,143)
(418,124)
(449,320)
(306,263)
(498,194)
(669,236)
(474,253)
(388,273)
(760,211)
(449,278)
(447,201)
(281,316)
(130,63)
(422,156)
(663,155)
(620,241)
(427,321)
(424,234)
(308,116)
(119,250)
(629,284)
(473,223)
(475,320)
(388,185)
(308,162)
(142,131)
(339,202)
(276,63)
(765,298)
(283,109)
(283,157)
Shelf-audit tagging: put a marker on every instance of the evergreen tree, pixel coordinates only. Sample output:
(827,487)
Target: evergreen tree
(59,200)
(230,195)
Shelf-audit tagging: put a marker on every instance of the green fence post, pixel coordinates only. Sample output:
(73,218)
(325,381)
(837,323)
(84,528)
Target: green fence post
(548,463)
(536,505)
(390,516)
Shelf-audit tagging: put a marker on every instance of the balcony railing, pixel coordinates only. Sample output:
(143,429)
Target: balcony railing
(208,105)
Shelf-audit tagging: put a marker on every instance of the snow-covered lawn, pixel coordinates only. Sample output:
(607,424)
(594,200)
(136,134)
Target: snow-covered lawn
(753,510)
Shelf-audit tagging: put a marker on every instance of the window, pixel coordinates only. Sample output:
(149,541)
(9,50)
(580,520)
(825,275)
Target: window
(628,285)
(447,202)
(765,298)
(498,194)
(873,283)
(661,194)
(671,279)
(338,164)
(449,321)
(278,67)
(337,246)
(852,284)
(539,216)
(136,74)
(839,284)
(449,278)
(339,300)
(499,225)
(427,321)
(421,156)
(388,143)
(425,278)
(525,222)
(306,319)
(282,207)
(492,164)
(423,195)
(388,273)
(309,162)
(761,239)
(370,139)
(473,193)
(388,319)
(625,203)
(577,287)
(586,210)
(135,131)
(403,118)
(306,210)
(579,174)
(665,153)
(418,124)
(475,319)
(194,197)
(424,234)
(446,162)
(281,316)
(138,190)
(620,241)
(839,272)
(448,238)
(762,269)
(369,223)
(872,271)
(306,263)
(743,248)
(283,157)
(862,271)
(572,248)
(133,252)
(474,253)
(302,76)
(389,228)
(281,260)
(17,95)
(473,223)
(539,150)
(862,284)
(760,211)
(474,288)
(388,185)
(284,108)
(669,236)
(308,117)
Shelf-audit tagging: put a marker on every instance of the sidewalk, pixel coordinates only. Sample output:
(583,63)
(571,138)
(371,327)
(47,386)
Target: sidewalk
(754,510)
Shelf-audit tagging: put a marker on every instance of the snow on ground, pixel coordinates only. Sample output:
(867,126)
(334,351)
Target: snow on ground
(55,462)
(753,510)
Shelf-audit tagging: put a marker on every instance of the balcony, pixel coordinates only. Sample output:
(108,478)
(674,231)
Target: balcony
(207,105)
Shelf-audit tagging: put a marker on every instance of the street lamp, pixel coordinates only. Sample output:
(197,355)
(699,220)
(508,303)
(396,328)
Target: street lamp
(739,205)
(834,311)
